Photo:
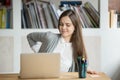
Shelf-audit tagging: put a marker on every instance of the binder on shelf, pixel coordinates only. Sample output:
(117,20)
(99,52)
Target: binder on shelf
(118,21)
(54,10)
(53,17)
(113,19)
(94,24)
(26,18)
(92,12)
(86,17)
(48,16)
(41,15)
(77,11)
(4,11)
(8,14)
(0,18)
(23,19)
(36,13)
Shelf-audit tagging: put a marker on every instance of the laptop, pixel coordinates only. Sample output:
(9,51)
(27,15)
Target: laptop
(40,65)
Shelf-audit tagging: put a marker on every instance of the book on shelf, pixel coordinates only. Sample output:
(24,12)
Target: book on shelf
(53,15)
(33,15)
(92,12)
(26,18)
(77,11)
(48,16)
(118,20)
(0,18)
(81,16)
(23,19)
(41,15)
(36,13)
(94,24)
(8,19)
(113,19)
(86,17)
(54,10)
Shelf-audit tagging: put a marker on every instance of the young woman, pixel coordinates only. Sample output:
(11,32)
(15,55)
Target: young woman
(69,43)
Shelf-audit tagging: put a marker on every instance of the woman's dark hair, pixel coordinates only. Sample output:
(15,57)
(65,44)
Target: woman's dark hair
(77,38)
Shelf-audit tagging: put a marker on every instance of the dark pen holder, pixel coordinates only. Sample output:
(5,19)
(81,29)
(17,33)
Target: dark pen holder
(82,67)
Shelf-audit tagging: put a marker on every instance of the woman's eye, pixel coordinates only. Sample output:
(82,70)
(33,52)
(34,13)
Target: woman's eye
(68,25)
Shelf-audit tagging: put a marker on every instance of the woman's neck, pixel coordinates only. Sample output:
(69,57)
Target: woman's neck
(67,39)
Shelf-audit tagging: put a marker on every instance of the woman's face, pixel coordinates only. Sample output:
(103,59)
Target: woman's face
(66,27)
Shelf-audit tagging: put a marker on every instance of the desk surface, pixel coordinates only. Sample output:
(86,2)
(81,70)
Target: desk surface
(63,76)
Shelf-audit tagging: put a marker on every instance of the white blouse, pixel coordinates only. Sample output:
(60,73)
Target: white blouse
(65,50)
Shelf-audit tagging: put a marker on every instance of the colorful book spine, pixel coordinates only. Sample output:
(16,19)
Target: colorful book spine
(3,26)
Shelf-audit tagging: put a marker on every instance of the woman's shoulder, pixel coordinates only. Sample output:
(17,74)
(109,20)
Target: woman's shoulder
(47,34)
(51,34)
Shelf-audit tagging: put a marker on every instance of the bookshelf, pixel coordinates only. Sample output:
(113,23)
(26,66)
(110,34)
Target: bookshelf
(97,37)
(16,37)
(35,15)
